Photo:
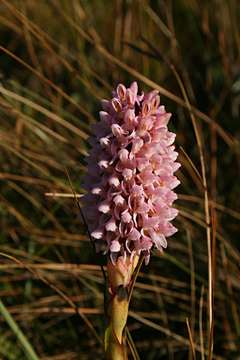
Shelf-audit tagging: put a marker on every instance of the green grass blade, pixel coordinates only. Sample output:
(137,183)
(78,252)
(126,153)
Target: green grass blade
(18,332)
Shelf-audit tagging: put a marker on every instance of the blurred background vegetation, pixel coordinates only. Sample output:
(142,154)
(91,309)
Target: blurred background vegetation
(58,58)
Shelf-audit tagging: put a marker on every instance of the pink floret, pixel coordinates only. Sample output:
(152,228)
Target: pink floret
(130,175)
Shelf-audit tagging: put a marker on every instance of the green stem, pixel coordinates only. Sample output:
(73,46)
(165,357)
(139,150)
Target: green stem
(118,313)
(120,276)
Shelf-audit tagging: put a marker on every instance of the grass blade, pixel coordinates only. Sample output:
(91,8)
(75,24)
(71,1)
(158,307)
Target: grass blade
(18,332)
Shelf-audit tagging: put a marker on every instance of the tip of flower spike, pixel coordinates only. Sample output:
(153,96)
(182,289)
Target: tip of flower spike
(134,160)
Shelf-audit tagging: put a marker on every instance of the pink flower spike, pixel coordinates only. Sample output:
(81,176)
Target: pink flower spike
(130,176)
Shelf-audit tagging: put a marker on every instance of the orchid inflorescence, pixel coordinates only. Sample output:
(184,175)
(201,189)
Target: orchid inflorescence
(130,175)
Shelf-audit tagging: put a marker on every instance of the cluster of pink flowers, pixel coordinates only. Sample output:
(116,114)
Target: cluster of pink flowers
(130,175)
